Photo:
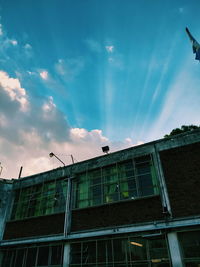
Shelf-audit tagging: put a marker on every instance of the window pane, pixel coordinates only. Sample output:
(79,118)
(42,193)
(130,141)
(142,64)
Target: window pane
(146,176)
(43,256)
(104,251)
(8,258)
(111,192)
(17,194)
(89,252)
(192,264)
(145,185)
(19,257)
(31,257)
(101,252)
(138,249)
(161,264)
(96,194)
(76,253)
(60,195)
(56,255)
(158,249)
(190,242)
(120,247)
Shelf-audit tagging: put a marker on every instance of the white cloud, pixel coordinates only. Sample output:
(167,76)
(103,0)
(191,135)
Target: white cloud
(109,48)
(44,74)
(13,42)
(80,134)
(27,138)
(1,29)
(69,68)
(12,87)
(27,46)
(94,45)
(3,121)
(12,58)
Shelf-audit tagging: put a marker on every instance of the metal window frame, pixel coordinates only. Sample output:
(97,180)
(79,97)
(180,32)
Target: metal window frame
(129,261)
(134,178)
(25,249)
(27,202)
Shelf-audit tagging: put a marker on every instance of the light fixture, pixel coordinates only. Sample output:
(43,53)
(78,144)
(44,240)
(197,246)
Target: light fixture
(105,149)
(53,155)
(136,244)
(156,260)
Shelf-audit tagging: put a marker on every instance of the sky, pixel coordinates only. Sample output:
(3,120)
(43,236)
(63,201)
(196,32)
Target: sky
(76,75)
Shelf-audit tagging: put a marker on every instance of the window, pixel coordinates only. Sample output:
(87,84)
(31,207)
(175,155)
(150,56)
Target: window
(190,244)
(124,251)
(125,180)
(51,255)
(41,199)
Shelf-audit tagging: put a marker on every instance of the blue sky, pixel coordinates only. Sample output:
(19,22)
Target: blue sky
(78,74)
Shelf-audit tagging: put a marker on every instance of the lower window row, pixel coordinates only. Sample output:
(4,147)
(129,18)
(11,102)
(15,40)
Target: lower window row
(129,251)
(126,251)
(47,255)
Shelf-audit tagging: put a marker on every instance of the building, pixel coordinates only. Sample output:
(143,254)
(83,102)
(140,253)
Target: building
(135,207)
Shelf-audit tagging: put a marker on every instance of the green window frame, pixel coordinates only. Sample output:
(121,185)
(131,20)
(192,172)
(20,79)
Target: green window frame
(131,179)
(41,199)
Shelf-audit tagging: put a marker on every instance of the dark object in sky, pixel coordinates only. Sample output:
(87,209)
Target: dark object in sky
(105,149)
(195,45)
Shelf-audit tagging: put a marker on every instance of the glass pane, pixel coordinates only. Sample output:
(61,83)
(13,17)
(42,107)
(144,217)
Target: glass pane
(82,193)
(143,169)
(192,264)
(142,159)
(109,251)
(111,193)
(162,264)
(121,251)
(101,252)
(190,242)
(76,253)
(137,249)
(43,256)
(89,252)
(145,185)
(19,257)
(8,258)
(56,255)
(96,194)
(158,249)
(60,195)
(95,176)
(14,209)
(110,174)
(31,257)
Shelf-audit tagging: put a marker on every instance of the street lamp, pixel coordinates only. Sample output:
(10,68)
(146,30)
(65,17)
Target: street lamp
(53,155)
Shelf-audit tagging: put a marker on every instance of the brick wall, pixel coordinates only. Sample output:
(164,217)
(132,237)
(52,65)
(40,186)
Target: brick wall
(116,214)
(181,167)
(40,226)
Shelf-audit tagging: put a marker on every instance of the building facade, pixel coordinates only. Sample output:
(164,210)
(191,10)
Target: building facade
(135,207)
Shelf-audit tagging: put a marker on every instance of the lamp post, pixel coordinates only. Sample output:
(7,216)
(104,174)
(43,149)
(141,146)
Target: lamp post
(53,155)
